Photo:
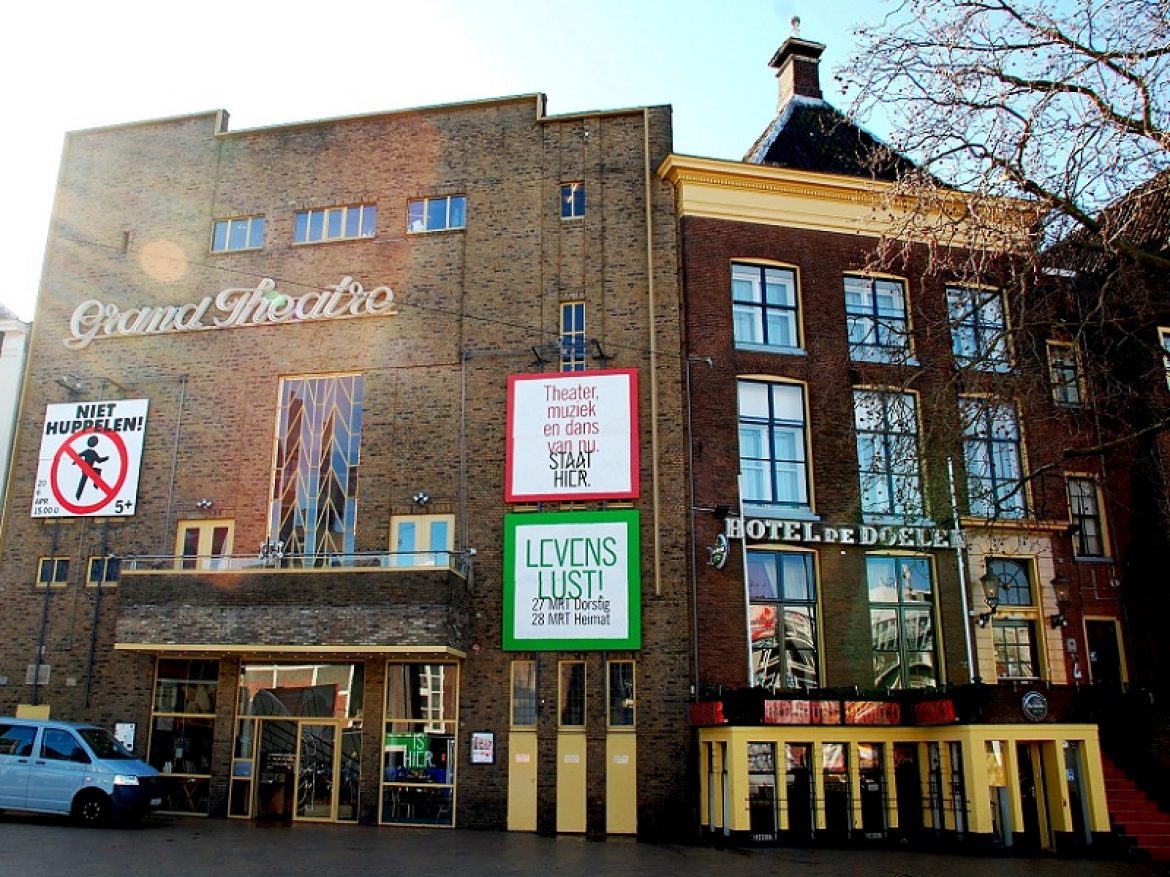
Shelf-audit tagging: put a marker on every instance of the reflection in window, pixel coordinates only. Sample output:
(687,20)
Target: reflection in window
(436,214)
(764,308)
(901,612)
(571,695)
(182,731)
(573,336)
(772,450)
(524,694)
(1015,650)
(621,694)
(1064,370)
(314,490)
(782,587)
(1015,581)
(875,311)
(1085,513)
(978,328)
(993,455)
(418,747)
(335,223)
(572,200)
(887,453)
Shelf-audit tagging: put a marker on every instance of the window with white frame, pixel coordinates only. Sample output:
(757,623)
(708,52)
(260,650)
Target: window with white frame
(875,313)
(773,445)
(422,540)
(783,611)
(572,200)
(978,321)
(765,311)
(444,213)
(901,613)
(993,453)
(1064,372)
(241,233)
(335,223)
(573,336)
(888,459)
(1084,507)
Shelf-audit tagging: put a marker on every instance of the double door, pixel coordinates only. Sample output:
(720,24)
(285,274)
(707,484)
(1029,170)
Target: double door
(306,770)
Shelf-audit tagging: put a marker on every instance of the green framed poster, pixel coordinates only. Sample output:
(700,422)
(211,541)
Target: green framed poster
(572,581)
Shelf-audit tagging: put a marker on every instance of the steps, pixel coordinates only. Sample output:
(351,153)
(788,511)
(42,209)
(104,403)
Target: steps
(1134,815)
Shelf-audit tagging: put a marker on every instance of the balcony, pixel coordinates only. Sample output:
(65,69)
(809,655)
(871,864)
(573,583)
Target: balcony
(273,602)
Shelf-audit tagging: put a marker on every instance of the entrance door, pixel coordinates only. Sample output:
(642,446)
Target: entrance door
(1104,651)
(1031,776)
(870,765)
(277,758)
(908,789)
(316,771)
(800,791)
(204,544)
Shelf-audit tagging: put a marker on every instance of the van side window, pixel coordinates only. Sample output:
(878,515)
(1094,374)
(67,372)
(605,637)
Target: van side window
(61,745)
(16,739)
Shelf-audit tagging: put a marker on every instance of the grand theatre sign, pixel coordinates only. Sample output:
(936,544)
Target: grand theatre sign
(261,305)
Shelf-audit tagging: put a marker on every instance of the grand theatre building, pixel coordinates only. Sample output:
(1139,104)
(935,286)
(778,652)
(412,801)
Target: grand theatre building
(348,483)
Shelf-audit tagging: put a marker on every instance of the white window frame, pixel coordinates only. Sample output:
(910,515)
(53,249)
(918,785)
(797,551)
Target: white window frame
(877,325)
(979,321)
(573,200)
(254,229)
(421,211)
(765,463)
(757,310)
(318,223)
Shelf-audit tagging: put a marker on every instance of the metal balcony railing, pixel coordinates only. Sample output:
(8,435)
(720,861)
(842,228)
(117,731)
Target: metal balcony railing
(279,561)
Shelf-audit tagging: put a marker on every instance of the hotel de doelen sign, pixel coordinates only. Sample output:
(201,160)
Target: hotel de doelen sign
(572,436)
(261,305)
(89,460)
(571,581)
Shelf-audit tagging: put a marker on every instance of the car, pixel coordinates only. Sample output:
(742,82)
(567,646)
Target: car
(75,769)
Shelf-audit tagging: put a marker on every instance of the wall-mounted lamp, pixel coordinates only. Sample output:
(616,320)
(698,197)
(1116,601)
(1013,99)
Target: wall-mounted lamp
(204,504)
(1060,619)
(421,498)
(991,584)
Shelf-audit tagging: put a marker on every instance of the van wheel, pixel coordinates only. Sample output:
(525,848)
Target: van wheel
(91,808)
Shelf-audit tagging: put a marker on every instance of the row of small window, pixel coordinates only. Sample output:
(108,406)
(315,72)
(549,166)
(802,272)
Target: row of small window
(355,221)
(571,694)
(775,456)
(766,316)
(54,571)
(784,637)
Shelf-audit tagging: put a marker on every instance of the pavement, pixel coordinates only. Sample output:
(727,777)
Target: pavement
(191,847)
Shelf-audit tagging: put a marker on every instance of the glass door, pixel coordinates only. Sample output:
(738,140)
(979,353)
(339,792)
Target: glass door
(315,770)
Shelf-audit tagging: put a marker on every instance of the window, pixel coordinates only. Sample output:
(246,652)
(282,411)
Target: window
(887,453)
(875,311)
(782,587)
(314,487)
(1064,371)
(901,613)
(573,336)
(1015,581)
(103,570)
(978,328)
(620,697)
(1084,506)
(1015,649)
(764,308)
(419,766)
(244,233)
(1164,340)
(436,214)
(992,451)
(524,694)
(572,200)
(571,695)
(204,544)
(422,540)
(183,730)
(335,224)
(772,446)
(53,572)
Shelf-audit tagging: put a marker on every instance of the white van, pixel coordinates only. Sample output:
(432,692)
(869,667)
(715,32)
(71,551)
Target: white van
(75,769)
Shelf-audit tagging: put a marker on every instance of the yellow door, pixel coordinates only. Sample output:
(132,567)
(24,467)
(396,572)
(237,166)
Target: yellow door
(571,782)
(621,783)
(522,781)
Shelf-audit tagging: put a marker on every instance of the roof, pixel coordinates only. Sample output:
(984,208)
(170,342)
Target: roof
(1139,220)
(811,135)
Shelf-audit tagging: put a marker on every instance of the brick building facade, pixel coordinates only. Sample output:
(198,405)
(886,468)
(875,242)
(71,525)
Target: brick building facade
(264,441)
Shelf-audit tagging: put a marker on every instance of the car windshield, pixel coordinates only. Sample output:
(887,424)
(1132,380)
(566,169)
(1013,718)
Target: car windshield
(103,743)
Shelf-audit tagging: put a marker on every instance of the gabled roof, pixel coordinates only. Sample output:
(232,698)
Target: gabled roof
(811,135)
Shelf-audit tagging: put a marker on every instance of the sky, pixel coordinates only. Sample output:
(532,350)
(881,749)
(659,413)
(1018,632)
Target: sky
(71,65)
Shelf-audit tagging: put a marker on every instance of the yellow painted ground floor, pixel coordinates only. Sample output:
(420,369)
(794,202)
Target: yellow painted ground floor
(1037,786)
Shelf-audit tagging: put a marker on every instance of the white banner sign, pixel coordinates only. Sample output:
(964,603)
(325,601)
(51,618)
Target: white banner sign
(572,436)
(89,459)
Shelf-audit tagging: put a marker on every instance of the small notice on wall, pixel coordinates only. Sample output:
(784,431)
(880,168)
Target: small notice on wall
(572,435)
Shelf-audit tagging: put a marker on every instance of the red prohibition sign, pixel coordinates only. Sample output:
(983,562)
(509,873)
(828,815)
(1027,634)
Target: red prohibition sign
(87,471)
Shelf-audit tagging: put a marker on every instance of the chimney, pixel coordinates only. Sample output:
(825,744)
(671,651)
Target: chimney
(797,64)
